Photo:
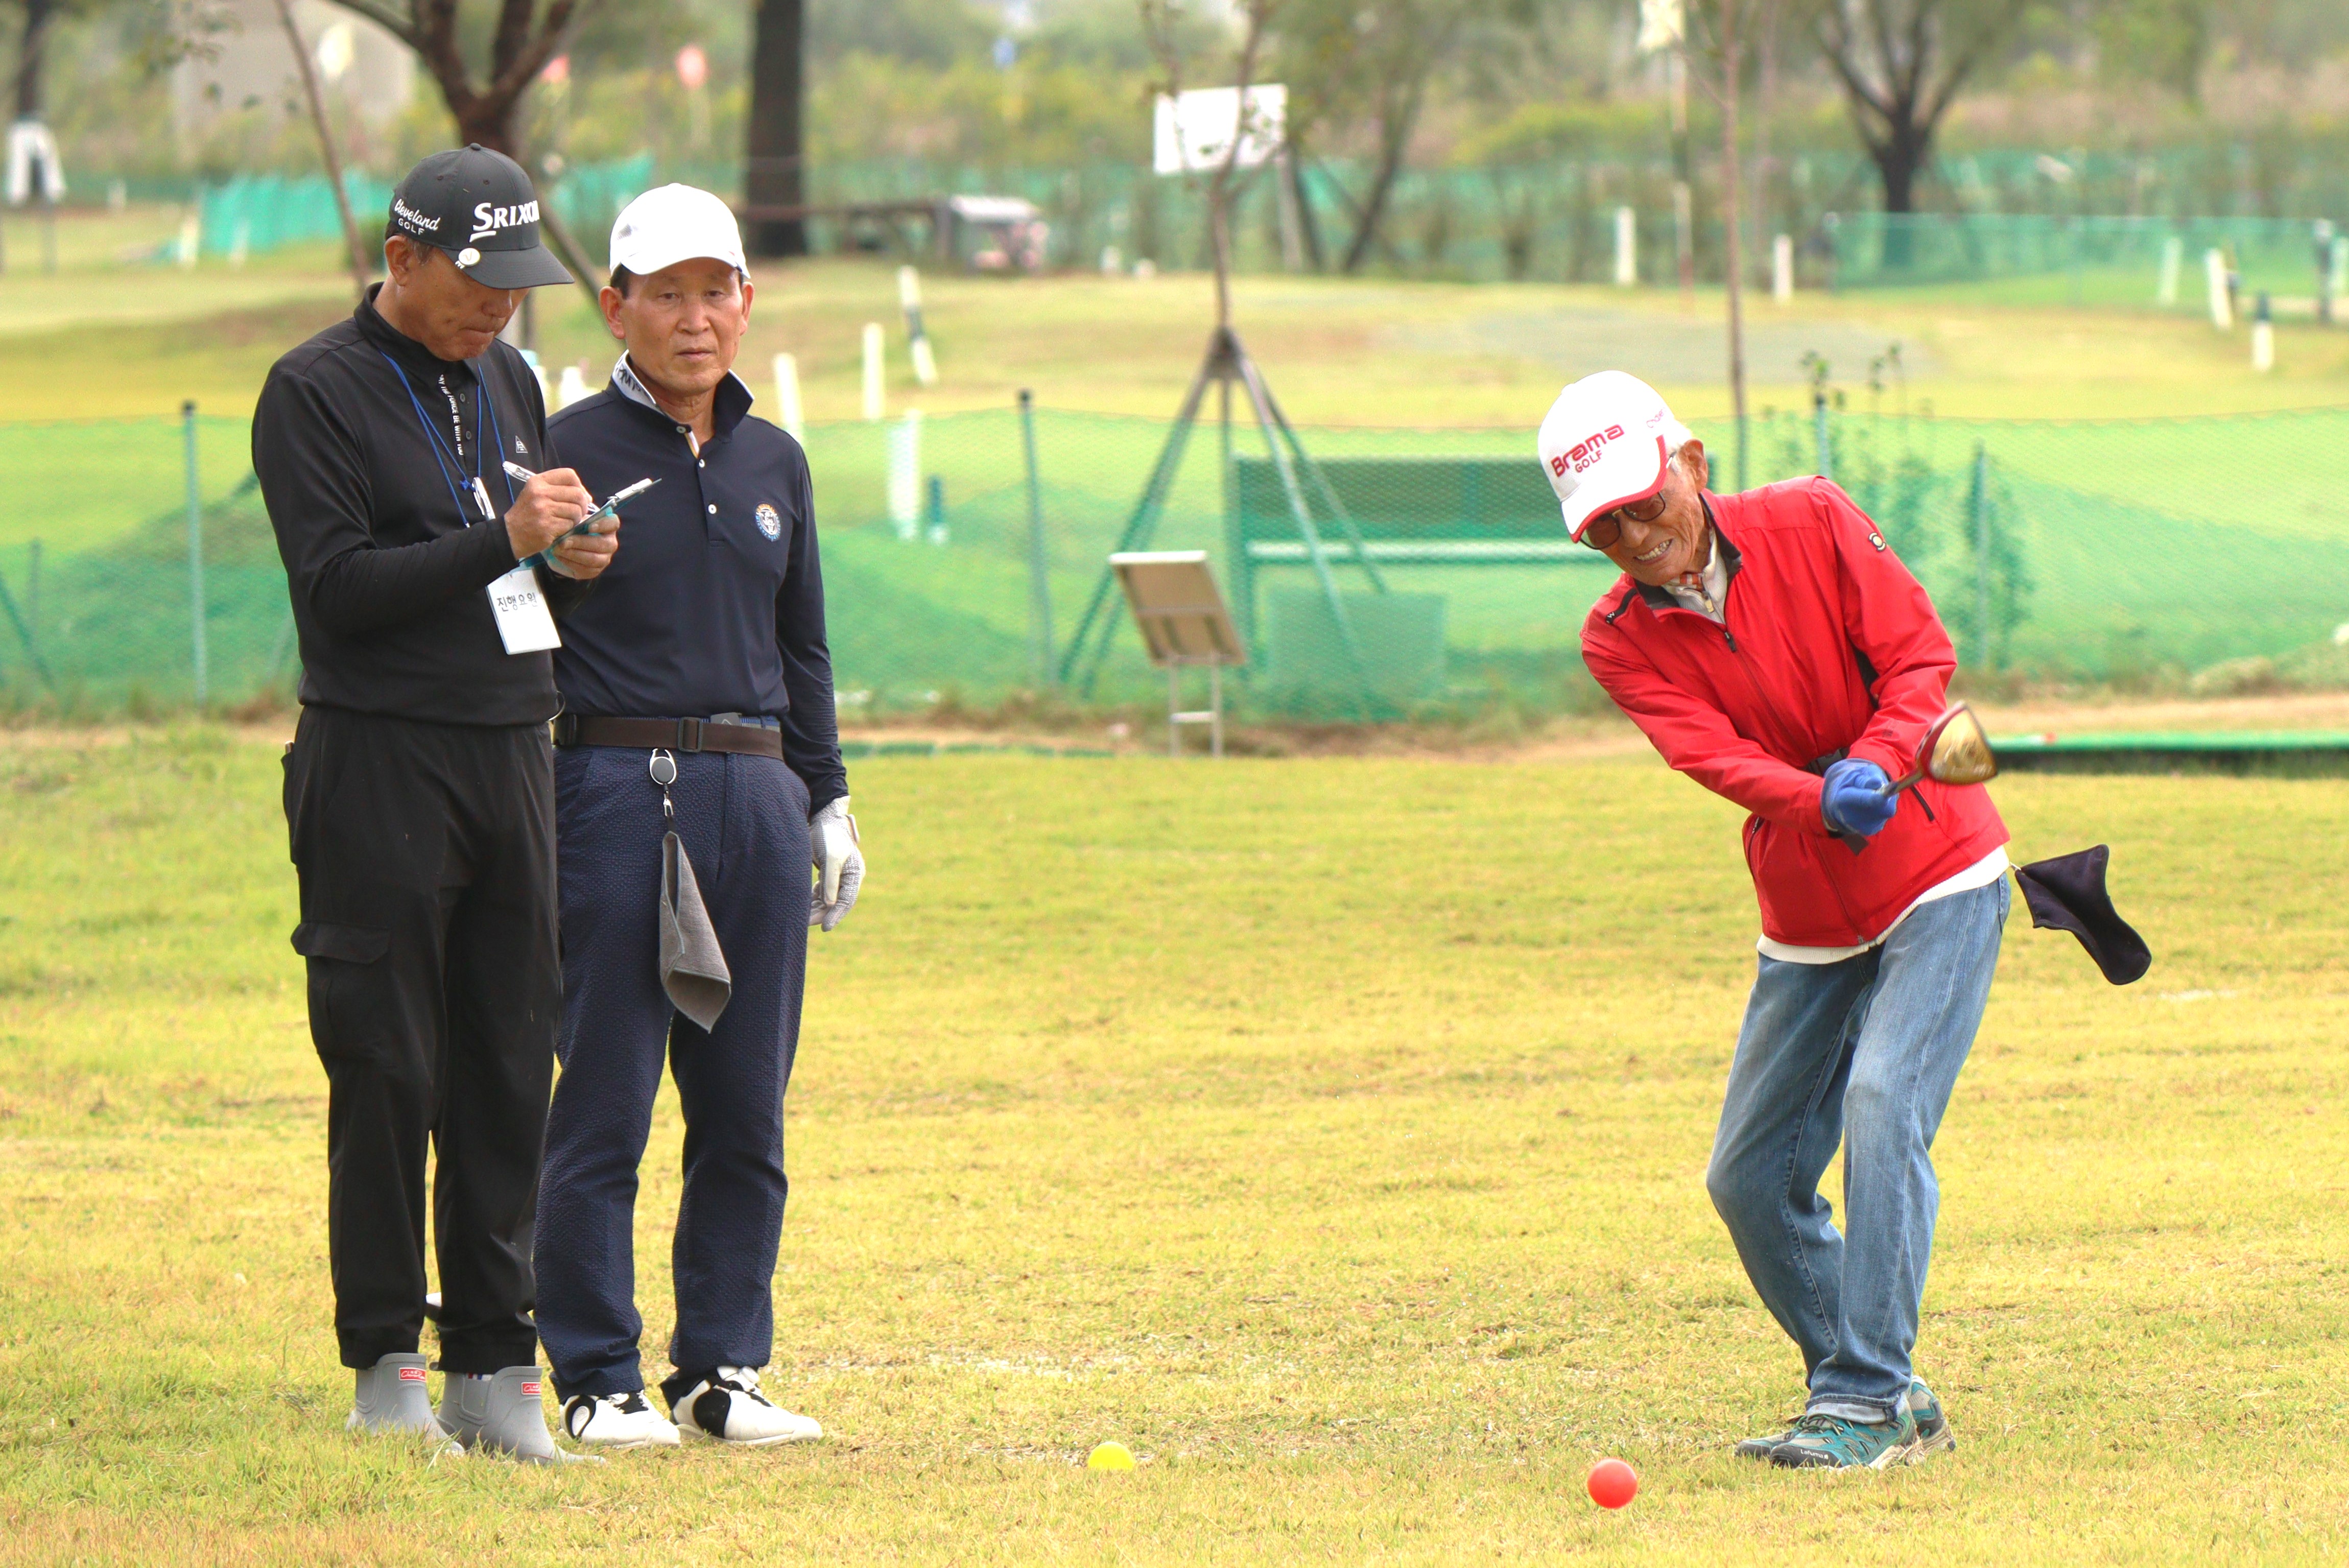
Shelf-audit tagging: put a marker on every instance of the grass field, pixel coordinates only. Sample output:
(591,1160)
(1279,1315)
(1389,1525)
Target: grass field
(1331,1131)
(1339,351)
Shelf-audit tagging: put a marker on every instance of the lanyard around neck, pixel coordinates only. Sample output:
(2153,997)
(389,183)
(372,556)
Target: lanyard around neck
(485,412)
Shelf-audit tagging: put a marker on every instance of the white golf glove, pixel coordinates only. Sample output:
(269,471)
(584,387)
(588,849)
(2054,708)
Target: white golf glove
(839,863)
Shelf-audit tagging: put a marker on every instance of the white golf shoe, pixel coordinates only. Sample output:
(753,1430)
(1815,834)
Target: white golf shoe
(728,1409)
(615,1421)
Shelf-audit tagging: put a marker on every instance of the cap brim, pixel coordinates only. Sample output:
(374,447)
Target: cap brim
(1574,530)
(531,269)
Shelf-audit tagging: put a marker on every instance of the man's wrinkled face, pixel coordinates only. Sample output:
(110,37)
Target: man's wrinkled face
(447,311)
(1678,541)
(683,325)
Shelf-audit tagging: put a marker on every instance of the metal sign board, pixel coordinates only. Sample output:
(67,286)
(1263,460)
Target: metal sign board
(1180,611)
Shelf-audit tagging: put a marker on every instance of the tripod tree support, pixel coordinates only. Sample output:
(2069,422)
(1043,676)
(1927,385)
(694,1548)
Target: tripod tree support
(1227,361)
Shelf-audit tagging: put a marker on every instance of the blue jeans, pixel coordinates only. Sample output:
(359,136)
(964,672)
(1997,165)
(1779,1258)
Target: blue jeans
(1862,1053)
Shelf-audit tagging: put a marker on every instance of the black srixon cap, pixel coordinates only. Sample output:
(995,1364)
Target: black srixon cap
(479,207)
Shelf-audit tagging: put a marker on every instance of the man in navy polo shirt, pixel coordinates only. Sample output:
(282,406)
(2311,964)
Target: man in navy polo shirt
(697,681)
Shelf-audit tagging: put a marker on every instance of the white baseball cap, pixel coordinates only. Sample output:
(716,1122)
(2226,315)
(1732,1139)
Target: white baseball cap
(676,223)
(1606,442)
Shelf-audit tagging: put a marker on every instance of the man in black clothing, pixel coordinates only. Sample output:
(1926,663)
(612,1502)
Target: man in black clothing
(419,790)
(698,698)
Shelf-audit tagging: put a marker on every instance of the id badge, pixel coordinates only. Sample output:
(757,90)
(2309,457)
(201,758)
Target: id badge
(524,624)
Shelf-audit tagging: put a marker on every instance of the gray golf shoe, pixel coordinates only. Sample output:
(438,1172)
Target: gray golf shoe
(503,1414)
(393,1401)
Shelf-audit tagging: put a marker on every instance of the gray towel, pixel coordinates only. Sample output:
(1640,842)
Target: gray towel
(692,969)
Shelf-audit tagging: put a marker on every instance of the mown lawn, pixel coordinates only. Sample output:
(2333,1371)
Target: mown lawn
(1329,1131)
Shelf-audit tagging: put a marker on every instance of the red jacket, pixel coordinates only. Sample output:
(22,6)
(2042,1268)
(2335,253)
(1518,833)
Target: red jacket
(1830,647)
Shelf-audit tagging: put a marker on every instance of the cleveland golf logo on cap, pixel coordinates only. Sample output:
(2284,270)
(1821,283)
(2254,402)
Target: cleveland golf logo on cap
(488,220)
(413,221)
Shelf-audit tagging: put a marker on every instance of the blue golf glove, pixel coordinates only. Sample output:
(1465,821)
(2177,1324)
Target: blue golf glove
(1854,801)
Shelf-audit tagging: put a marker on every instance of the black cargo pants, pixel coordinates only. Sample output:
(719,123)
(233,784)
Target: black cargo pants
(426,853)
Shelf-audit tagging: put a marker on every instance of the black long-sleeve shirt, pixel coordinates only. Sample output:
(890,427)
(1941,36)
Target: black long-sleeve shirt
(389,574)
(715,602)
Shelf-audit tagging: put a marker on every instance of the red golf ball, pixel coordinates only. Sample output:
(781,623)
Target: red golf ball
(1612,1484)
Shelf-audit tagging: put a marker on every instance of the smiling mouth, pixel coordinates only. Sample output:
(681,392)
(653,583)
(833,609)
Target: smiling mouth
(1654,553)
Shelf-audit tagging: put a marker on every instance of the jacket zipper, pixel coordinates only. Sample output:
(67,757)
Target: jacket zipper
(1737,657)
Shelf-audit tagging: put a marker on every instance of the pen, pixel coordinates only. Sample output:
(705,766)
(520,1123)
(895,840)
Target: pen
(516,471)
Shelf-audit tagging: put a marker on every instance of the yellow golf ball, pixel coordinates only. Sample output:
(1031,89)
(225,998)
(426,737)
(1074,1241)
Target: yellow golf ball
(1110,1456)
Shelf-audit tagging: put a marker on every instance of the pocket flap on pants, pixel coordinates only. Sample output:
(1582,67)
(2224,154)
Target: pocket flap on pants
(351,944)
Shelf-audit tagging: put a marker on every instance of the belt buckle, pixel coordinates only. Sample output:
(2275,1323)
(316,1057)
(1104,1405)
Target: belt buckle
(688,734)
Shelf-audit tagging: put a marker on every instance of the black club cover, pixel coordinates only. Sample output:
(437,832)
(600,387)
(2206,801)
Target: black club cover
(2068,893)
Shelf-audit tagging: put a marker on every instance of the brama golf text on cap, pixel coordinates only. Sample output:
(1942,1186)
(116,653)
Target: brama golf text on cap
(1606,442)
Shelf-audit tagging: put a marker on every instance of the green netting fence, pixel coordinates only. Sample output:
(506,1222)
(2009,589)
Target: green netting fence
(2133,552)
(2144,263)
(259,212)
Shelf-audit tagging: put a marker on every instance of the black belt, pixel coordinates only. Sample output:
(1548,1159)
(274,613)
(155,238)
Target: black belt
(668,735)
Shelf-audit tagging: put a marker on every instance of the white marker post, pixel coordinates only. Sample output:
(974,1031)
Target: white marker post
(1627,248)
(872,370)
(909,300)
(1782,268)
(2173,258)
(787,397)
(2264,337)
(906,475)
(2214,274)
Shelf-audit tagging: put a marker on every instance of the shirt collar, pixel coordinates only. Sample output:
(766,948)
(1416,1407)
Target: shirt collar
(411,355)
(1725,553)
(733,400)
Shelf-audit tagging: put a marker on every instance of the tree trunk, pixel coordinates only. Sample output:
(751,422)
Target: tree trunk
(491,124)
(37,14)
(1309,227)
(774,169)
(1392,144)
(1899,159)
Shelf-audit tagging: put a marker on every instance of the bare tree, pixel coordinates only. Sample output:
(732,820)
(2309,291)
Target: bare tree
(1373,61)
(523,39)
(362,264)
(1901,63)
(1161,24)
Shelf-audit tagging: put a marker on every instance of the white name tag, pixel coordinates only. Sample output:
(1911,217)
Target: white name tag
(524,623)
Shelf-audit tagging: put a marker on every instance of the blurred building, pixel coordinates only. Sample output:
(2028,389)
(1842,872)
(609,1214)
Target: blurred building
(360,67)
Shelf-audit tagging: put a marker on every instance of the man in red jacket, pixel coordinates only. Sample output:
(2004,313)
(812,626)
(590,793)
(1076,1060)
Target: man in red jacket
(1775,651)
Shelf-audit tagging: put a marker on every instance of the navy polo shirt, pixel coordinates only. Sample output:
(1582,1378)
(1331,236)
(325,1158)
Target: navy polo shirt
(715,602)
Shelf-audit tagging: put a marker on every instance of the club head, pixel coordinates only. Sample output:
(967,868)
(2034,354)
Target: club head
(1957,749)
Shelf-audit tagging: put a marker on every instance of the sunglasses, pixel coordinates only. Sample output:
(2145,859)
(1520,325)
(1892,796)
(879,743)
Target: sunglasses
(1606,530)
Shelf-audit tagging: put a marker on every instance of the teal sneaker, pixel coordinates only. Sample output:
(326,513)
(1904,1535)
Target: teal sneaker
(1933,1434)
(1762,1447)
(1836,1442)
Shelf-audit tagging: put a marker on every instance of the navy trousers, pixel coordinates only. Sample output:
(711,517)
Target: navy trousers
(744,823)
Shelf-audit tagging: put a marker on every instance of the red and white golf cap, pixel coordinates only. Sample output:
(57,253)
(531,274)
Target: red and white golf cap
(1606,442)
